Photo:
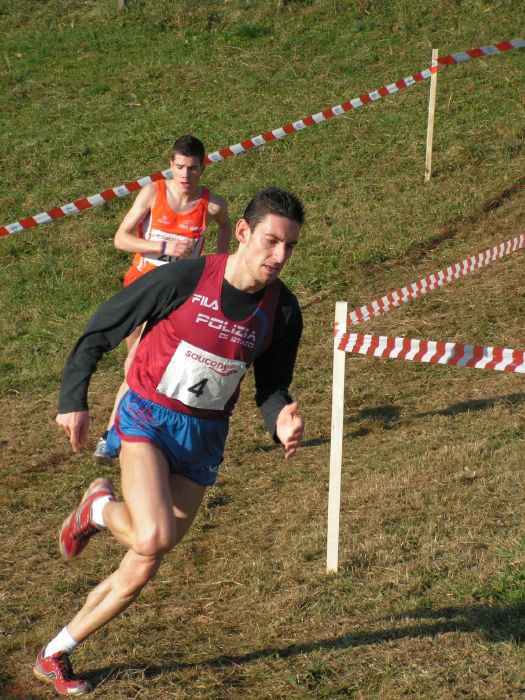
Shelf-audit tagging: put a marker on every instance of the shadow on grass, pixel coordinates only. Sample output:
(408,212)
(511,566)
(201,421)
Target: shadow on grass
(388,417)
(313,442)
(475,405)
(497,623)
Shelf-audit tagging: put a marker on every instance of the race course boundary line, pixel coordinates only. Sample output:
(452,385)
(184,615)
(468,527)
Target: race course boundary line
(434,281)
(411,349)
(293,127)
(433,351)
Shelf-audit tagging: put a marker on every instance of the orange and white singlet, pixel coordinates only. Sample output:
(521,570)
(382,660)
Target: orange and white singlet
(164,224)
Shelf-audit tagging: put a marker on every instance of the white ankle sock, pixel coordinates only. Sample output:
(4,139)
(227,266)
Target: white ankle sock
(96,510)
(62,642)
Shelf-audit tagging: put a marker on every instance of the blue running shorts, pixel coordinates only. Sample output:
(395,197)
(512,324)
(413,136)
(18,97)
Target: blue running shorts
(193,446)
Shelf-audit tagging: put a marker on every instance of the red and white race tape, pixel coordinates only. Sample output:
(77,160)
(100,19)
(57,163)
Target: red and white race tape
(434,351)
(123,190)
(367,98)
(434,281)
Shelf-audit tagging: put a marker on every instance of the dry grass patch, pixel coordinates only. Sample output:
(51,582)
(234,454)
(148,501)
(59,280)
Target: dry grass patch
(429,600)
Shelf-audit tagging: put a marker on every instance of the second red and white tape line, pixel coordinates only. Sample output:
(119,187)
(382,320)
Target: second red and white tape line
(434,281)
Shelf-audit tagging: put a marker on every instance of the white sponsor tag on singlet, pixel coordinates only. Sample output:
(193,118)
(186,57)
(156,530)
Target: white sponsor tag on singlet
(201,379)
(158,259)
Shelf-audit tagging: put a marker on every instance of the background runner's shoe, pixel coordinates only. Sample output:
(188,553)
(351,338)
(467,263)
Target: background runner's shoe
(56,670)
(78,528)
(101,452)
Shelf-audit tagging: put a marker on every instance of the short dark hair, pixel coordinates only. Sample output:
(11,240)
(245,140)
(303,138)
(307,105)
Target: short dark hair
(273,200)
(188,145)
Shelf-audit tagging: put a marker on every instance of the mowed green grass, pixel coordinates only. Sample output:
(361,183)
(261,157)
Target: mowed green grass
(429,600)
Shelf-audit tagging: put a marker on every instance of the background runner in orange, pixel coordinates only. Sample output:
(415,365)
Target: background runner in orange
(168,221)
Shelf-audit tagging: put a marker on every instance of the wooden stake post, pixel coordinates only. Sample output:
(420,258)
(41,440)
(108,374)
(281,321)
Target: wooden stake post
(431,110)
(336,444)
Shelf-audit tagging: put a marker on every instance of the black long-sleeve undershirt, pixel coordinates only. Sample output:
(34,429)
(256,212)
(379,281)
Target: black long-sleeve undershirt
(153,297)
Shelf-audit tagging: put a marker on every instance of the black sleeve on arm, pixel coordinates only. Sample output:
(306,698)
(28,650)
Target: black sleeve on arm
(274,368)
(151,297)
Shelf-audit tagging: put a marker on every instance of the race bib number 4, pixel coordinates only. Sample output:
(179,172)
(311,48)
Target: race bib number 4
(200,379)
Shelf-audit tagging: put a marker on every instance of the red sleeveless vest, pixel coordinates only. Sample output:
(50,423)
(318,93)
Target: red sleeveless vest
(194,360)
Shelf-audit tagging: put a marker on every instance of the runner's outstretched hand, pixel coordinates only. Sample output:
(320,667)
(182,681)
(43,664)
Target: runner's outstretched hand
(289,429)
(76,426)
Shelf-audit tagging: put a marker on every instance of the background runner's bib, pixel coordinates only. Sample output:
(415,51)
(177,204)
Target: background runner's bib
(201,379)
(159,259)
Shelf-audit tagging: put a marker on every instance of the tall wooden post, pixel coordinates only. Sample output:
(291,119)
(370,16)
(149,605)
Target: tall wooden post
(336,443)
(431,110)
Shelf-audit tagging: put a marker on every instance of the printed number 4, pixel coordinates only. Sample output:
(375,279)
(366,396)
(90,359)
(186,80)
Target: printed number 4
(198,389)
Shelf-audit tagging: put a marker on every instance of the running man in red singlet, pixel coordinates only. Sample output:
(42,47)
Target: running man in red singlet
(207,321)
(167,222)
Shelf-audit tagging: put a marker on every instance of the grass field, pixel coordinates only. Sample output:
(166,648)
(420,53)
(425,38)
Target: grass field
(429,601)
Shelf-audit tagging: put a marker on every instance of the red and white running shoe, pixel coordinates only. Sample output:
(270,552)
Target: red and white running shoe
(56,670)
(78,528)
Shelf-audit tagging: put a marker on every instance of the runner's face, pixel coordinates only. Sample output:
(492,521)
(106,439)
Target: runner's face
(187,171)
(268,247)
